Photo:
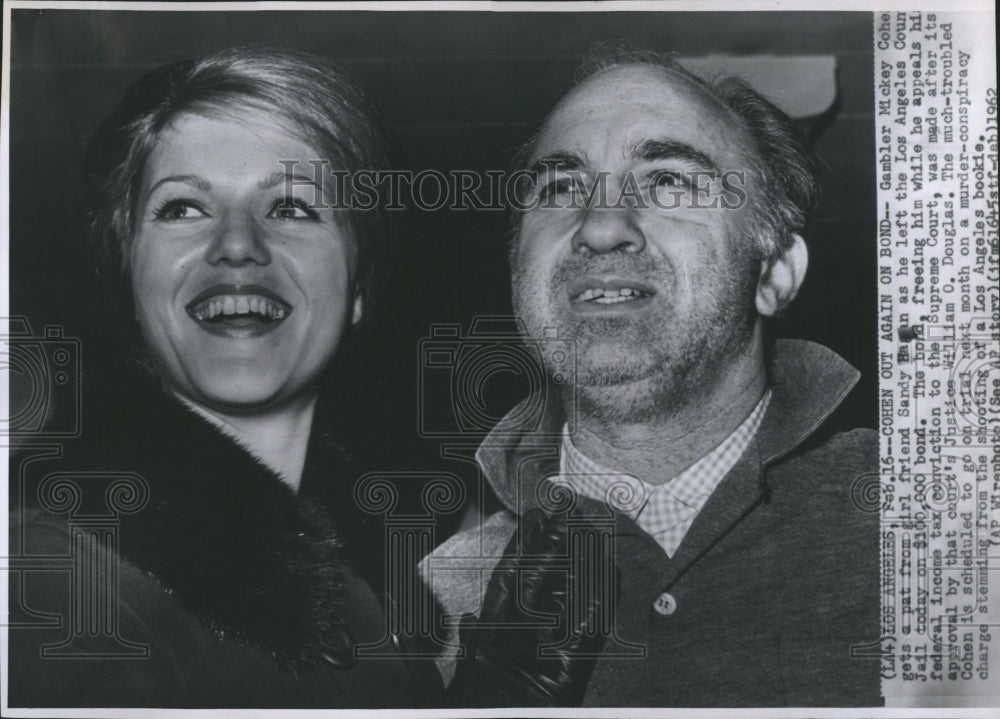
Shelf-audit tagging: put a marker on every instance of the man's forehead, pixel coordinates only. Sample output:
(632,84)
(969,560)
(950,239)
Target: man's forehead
(617,92)
(636,80)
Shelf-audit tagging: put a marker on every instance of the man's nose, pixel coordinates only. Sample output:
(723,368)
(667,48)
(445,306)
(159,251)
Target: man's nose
(238,240)
(609,229)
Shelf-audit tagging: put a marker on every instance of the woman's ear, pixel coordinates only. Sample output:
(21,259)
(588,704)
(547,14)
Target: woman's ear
(358,309)
(781,277)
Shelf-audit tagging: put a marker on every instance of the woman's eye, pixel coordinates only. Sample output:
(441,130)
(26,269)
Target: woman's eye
(292,209)
(174,210)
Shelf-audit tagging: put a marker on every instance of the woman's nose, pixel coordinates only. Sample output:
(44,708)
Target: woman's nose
(238,240)
(608,229)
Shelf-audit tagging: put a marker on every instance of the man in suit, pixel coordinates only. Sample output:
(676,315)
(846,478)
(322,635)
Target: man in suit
(661,227)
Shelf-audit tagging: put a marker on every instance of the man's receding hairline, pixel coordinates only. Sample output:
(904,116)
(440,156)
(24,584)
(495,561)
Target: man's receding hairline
(747,142)
(703,88)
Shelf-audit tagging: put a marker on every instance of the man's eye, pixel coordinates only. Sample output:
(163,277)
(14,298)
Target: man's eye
(175,210)
(558,186)
(669,178)
(292,209)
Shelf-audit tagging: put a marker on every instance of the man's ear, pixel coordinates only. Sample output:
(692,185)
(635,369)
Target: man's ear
(358,309)
(781,277)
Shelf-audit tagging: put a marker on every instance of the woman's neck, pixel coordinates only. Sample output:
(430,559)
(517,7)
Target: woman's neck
(278,438)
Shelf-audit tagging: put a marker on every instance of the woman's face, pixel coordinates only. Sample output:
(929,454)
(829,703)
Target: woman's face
(243,279)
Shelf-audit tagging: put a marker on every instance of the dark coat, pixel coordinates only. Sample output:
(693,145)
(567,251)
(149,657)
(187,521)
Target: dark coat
(231,590)
(776,583)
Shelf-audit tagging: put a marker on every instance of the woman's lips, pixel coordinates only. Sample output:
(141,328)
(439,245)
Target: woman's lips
(238,310)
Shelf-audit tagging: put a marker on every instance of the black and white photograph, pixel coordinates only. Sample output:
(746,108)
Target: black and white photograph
(574,359)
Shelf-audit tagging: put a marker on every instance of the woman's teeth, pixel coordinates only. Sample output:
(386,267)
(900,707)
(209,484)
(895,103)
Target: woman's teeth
(239,305)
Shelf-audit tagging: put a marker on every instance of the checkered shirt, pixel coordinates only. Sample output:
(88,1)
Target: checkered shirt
(664,511)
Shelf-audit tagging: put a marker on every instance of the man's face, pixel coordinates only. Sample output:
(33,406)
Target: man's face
(656,288)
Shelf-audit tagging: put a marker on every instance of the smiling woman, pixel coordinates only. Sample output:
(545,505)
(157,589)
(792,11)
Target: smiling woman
(234,586)
(234,576)
(242,289)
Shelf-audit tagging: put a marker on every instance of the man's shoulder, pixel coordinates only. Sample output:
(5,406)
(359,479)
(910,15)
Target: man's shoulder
(855,449)
(856,445)
(833,481)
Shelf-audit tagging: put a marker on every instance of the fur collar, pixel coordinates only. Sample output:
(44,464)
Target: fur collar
(223,534)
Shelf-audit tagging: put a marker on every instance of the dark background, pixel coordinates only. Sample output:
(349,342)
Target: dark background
(458,90)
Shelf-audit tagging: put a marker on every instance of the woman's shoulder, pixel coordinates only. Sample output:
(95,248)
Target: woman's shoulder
(239,589)
(88,627)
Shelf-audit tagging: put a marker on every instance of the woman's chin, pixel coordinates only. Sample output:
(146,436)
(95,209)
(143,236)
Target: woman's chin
(241,396)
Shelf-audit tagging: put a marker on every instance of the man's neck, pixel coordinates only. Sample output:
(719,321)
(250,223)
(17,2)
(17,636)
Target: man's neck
(278,438)
(658,449)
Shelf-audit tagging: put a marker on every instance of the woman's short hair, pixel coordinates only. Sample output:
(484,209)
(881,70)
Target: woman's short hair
(315,98)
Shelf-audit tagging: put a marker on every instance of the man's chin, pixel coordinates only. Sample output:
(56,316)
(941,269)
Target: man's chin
(609,364)
(617,374)
(627,387)
(621,399)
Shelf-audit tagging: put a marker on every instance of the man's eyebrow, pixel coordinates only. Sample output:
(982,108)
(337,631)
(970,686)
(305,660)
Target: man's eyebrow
(196,181)
(557,161)
(652,150)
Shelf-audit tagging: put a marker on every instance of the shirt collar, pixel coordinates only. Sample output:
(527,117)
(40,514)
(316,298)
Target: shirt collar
(808,382)
(630,495)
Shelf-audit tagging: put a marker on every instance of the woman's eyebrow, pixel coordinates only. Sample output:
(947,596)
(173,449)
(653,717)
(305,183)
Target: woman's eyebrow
(290,179)
(196,181)
(653,150)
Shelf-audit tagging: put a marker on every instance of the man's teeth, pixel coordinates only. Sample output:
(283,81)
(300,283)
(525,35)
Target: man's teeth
(607,297)
(240,305)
